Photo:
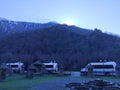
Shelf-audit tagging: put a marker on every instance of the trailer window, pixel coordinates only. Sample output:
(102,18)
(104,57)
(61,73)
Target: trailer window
(14,65)
(103,66)
(49,66)
(108,66)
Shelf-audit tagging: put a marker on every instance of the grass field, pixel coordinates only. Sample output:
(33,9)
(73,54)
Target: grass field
(19,82)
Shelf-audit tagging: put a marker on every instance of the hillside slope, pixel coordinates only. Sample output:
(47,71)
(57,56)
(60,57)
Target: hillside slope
(67,45)
(8,26)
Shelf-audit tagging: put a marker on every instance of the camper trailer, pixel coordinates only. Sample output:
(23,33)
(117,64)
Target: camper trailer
(16,67)
(51,67)
(101,68)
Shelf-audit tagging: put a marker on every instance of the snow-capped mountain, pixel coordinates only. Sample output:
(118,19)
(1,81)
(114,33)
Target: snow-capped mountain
(8,26)
(2,19)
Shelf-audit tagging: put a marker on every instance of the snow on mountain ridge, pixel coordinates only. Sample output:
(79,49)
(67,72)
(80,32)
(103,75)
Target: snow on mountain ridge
(9,26)
(1,18)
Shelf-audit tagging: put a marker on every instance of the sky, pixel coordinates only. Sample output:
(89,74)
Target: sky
(89,14)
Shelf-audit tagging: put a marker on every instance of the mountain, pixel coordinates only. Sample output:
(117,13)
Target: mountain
(8,26)
(71,46)
(1,19)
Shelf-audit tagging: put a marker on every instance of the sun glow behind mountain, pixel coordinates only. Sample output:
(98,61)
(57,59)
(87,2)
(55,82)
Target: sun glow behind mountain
(69,22)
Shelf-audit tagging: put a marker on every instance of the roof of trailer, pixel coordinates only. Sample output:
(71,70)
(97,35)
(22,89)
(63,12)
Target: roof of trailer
(103,63)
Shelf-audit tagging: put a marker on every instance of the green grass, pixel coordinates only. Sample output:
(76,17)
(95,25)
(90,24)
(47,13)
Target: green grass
(19,82)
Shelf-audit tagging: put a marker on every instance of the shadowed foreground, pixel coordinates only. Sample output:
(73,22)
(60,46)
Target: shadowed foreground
(60,84)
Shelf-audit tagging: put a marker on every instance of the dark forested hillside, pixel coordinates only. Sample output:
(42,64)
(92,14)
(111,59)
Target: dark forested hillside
(68,45)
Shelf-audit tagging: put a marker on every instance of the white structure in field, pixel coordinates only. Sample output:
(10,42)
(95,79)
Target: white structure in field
(101,68)
(16,67)
(51,67)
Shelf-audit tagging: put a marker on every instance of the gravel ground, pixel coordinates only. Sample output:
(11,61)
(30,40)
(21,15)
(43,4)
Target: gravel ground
(56,84)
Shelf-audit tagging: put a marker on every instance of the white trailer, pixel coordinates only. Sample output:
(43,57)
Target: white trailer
(101,68)
(16,67)
(51,67)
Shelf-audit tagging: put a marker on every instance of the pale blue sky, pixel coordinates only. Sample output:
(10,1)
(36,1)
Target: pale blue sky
(101,14)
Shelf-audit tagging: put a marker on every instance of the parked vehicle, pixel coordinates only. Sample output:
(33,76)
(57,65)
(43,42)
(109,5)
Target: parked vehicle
(51,67)
(101,68)
(16,67)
